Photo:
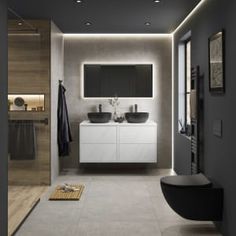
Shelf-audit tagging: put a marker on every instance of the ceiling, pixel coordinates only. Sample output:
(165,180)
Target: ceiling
(107,16)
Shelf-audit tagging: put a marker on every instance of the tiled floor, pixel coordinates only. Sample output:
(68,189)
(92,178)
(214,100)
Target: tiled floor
(118,203)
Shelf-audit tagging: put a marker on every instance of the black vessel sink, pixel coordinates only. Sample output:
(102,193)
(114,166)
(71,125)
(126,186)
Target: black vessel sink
(136,117)
(99,117)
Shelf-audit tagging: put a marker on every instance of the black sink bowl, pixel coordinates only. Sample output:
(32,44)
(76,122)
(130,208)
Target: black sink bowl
(136,117)
(99,117)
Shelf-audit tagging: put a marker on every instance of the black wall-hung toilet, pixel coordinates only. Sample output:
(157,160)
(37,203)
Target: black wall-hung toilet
(193,197)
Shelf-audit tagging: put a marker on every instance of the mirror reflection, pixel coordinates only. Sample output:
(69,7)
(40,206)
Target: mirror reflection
(118,80)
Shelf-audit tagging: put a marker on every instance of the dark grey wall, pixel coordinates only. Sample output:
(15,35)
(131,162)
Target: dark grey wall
(3,118)
(219,153)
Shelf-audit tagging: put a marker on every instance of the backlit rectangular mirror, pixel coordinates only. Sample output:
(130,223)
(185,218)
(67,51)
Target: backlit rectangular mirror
(133,80)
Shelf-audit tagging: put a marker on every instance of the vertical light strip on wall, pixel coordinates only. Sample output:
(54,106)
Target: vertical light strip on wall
(173,107)
(173,60)
(200,4)
(190,15)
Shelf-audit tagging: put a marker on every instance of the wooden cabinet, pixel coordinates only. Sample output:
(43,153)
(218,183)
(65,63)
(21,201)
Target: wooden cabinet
(118,143)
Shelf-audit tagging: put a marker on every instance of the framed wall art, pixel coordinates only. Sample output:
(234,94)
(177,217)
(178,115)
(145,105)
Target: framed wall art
(216,62)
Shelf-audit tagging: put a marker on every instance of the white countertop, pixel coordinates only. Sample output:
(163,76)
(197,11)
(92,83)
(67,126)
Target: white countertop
(113,123)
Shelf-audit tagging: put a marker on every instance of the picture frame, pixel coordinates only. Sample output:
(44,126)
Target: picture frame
(216,52)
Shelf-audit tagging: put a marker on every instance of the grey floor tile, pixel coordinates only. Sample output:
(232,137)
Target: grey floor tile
(112,204)
(118,208)
(46,229)
(188,228)
(154,188)
(117,188)
(163,211)
(118,229)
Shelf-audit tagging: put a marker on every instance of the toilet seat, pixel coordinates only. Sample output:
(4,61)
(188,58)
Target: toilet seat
(184,181)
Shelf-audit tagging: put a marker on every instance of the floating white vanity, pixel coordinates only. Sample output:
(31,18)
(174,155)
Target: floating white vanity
(118,142)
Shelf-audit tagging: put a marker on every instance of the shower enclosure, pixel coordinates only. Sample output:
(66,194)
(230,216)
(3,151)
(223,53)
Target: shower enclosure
(35,65)
(29,102)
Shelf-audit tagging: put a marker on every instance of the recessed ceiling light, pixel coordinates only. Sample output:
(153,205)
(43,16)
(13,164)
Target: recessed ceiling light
(147,23)
(78,1)
(156,1)
(88,23)
(20,23)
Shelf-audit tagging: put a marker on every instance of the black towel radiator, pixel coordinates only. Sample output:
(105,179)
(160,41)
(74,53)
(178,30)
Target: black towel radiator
(42,121)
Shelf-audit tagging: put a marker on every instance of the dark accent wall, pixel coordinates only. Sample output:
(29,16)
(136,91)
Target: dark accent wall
(3,118)
(219,154)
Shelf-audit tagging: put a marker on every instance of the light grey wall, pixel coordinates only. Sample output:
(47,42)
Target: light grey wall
(3,118)
(120,49)
(57,73)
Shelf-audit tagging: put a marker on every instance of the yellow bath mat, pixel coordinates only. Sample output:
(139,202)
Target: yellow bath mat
(60,195)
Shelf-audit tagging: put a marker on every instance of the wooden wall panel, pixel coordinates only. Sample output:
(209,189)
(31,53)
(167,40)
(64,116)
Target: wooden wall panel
(29,73)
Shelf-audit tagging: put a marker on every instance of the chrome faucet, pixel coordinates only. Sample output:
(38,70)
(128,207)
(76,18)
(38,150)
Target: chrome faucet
(100,107)
(135,107)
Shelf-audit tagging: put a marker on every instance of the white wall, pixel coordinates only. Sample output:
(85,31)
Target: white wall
(120,49)
(57,73)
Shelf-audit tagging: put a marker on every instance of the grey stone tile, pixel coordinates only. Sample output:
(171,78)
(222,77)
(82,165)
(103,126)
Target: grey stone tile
(112,205)
(188,228)
(36,228)
(118,188)
(163,211)
(74,178)
(118,178)
(118,229)
(154,188)
(197,229)
(119,208)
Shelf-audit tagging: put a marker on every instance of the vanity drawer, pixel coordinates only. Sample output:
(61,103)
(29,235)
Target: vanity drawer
(97,153)
(98,134)
(138,153)
(138,134)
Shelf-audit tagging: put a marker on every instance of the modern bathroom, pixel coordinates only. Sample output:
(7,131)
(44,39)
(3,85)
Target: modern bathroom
(116,118)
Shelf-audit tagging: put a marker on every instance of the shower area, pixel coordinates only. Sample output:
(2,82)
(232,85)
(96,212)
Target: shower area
(34,48)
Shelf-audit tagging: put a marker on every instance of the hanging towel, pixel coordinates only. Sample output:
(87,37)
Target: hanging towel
(64,133)
(21,140)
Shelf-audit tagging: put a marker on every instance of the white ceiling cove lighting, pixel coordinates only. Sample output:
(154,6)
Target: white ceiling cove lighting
(147,23)
(190,15)
(94,35)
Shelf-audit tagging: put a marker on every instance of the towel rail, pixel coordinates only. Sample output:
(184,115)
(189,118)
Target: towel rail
(43,121)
